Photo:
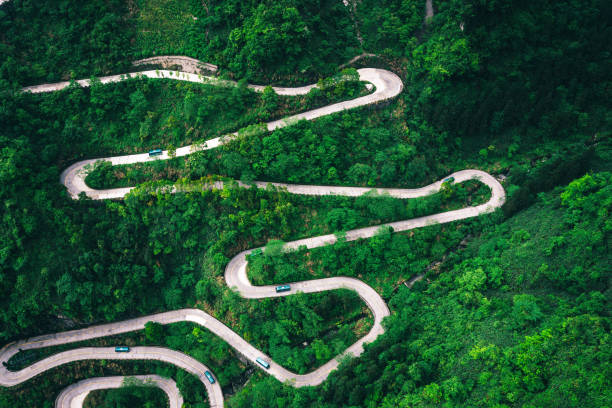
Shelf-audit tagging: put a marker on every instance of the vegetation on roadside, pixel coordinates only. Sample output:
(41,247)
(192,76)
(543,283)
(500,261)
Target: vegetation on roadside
(513,310)
(520,316)
(41,391)
(303,331)
(130,395)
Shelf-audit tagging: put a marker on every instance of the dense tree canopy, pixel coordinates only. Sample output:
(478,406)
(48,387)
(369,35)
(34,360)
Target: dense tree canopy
(508,310)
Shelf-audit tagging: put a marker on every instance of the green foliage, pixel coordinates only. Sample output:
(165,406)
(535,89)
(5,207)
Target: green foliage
(162,27)
(520,317)
(100,174)
(389,25)
(487,330)
(270,102)
(43,390)
(559,169)
(442,57)
(154,332)
(128,396)
(274,35)
(361,174)
(525,309)
(62,40)
(274,248)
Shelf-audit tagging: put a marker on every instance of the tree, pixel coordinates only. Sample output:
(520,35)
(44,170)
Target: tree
(140,106)
(525,310)
(154,332)
(362,174)
(191,105)
(269,100)
(274,248)
(272,38)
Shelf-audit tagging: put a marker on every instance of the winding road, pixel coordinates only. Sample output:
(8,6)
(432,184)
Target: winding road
(429,11)
(74,395)
(386,86)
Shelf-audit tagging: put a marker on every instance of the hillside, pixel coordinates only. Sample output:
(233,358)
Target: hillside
(496,131)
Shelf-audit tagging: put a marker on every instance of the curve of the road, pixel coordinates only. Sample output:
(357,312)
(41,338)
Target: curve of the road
(387,85)
(74,395)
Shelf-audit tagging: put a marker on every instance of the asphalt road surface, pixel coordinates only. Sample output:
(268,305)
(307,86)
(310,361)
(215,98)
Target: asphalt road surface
(74,395)
(386,86)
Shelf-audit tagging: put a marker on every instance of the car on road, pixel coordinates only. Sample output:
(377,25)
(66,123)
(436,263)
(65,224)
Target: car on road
(448,180)
(210,377)
(122,349)
(155,152)
(283,288)
(263,363)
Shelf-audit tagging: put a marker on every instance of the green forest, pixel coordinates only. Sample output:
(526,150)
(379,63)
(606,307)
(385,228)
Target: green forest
(133,393)
(507,309)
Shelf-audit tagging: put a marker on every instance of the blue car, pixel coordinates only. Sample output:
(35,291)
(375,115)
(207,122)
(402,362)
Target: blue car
(208,375)
(263,363)
(122,349)
(283,288)
(448,180)
(155,152)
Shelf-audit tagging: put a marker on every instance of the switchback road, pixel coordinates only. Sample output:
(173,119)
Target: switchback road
(74,395)
(386,86)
